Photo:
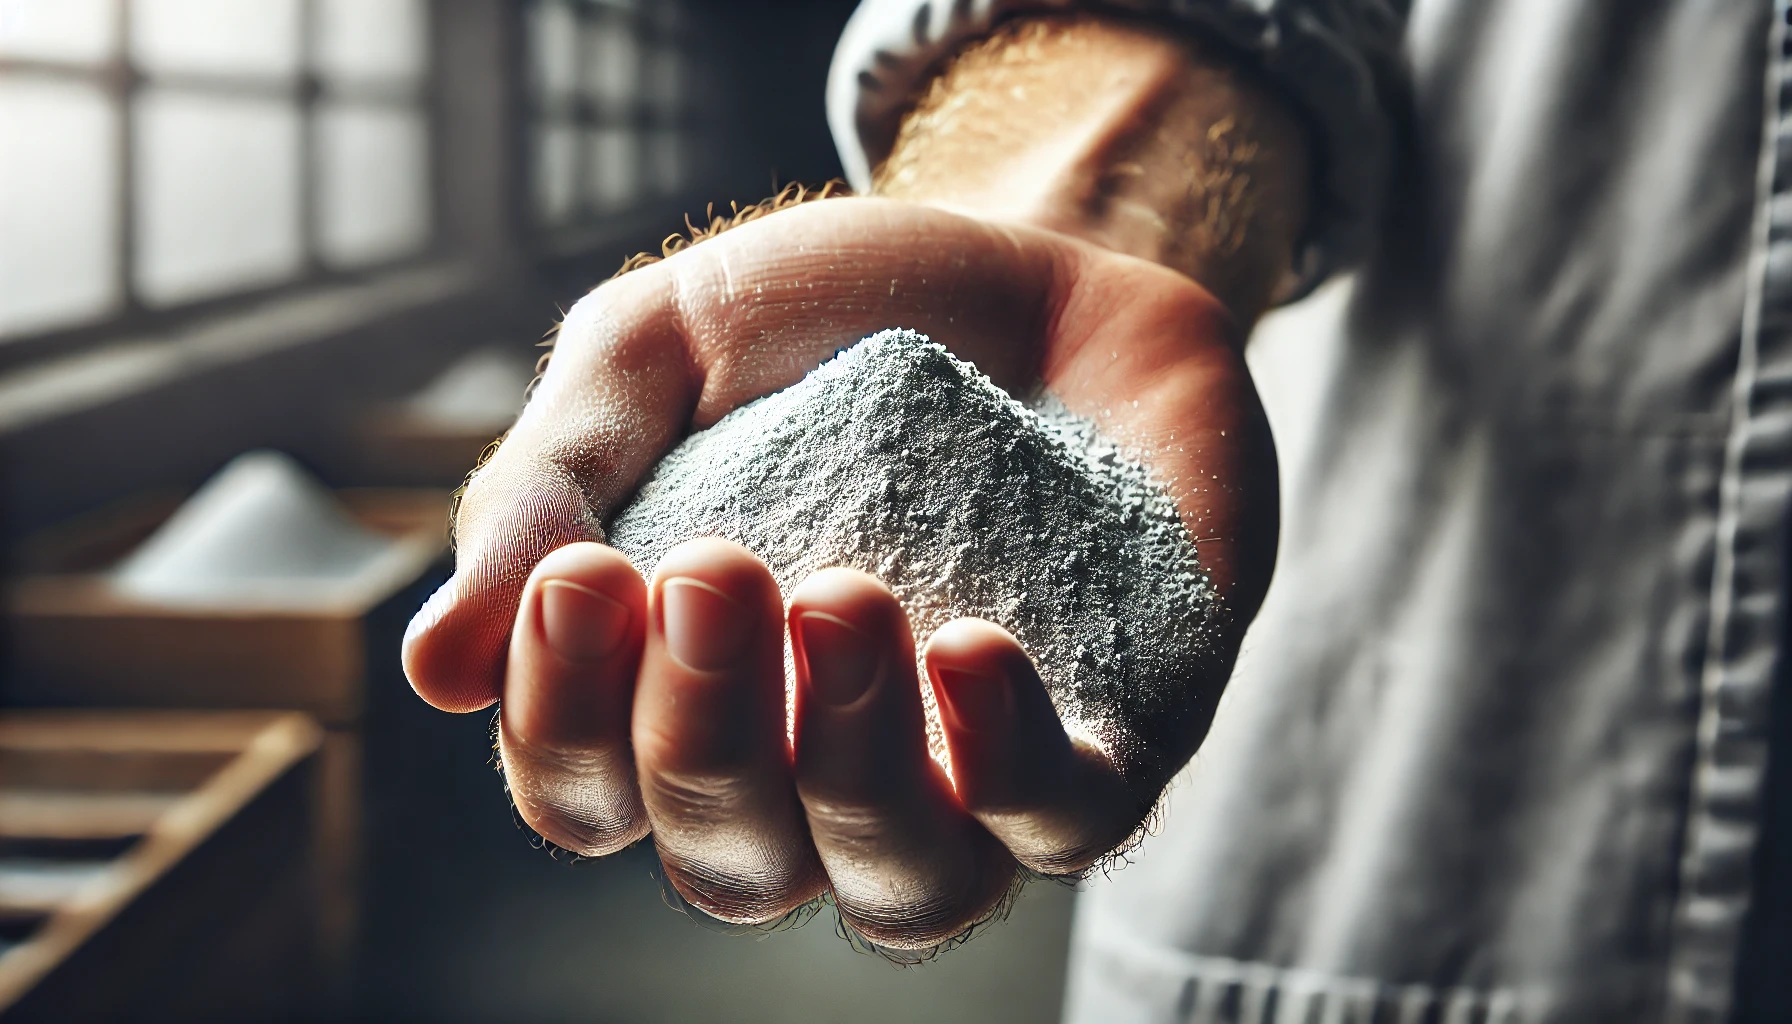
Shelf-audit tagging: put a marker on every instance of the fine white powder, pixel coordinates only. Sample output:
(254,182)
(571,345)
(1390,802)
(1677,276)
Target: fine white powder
(900,460)
(262,533)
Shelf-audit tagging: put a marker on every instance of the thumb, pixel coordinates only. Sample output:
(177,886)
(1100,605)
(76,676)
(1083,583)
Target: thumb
(612,399)
(511,517)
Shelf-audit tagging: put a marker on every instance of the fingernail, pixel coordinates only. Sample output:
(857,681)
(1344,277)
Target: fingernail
(843,661)
(706,630)
(975,701)
(581,624)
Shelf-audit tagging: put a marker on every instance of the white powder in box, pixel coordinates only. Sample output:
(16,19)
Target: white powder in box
(898,459)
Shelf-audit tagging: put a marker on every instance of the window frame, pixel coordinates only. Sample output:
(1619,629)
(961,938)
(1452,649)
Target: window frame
(591,227)
(121,82)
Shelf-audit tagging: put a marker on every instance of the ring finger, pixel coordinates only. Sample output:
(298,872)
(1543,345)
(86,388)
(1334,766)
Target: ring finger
(909,867)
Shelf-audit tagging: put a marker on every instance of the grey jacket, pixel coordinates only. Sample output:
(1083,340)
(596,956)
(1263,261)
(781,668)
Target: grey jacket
(1496,747)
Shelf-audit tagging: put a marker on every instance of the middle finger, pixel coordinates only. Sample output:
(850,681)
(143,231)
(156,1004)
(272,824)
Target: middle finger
(710,742)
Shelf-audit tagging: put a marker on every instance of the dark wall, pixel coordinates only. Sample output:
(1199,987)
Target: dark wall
(769,67)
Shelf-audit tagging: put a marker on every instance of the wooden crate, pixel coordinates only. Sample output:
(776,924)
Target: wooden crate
(73,640)
(157,865)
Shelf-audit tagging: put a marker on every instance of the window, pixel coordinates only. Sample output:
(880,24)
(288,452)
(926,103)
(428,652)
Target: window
(609,122)
(159,154)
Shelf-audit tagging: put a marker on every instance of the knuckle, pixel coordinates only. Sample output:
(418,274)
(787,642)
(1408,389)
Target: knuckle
(917,917)
(902,882)
(604,325)
(701,800)
(521,510)
(586,802)
(858,829)
(1054,843)
(1061,861)
(587,329)
(729,851)
(1080,818)
(579,830)
(739,893)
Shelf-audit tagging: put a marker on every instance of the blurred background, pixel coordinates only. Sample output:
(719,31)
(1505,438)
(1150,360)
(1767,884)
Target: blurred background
(272,274)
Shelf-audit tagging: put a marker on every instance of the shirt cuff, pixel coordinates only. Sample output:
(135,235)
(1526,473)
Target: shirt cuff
(1330,57)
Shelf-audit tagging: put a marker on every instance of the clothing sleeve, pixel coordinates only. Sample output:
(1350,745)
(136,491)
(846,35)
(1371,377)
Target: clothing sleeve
(1332,58)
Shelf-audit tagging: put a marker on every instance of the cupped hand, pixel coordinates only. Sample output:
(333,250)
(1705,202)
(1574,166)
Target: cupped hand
(633,707)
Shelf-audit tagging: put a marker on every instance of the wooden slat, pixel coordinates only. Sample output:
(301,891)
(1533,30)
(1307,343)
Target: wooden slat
(78,771)
(148,732)
(60,814)
(44,887)
(82,898)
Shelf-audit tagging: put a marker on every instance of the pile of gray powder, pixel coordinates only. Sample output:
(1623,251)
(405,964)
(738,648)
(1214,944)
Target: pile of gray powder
(898,459)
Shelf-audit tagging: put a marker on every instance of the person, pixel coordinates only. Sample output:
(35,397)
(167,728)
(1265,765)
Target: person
(1497,747)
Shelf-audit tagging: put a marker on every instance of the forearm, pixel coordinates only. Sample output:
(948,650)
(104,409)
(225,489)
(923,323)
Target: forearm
(1122,134)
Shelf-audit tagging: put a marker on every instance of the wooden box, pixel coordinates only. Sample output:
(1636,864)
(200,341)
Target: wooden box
(157,865)
(73,640)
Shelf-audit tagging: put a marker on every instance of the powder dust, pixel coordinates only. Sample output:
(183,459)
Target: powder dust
(900,460)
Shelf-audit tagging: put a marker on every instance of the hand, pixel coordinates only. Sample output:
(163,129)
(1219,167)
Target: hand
(631,708)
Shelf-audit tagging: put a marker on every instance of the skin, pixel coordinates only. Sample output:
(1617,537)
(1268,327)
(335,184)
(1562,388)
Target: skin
(637,707)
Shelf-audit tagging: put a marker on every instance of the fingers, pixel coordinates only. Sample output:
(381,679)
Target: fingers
(1058,805)
(622,712)
(909,867)
(710,740)
(568,688)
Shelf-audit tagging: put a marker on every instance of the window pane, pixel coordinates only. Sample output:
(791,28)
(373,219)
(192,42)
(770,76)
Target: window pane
(612,69)
(58,210)
(71,30)
(666,159)
(665,80)
(379,40)
(613,167)
(554,49)
(259,37)
(217,194)
(556,173)
(374,183)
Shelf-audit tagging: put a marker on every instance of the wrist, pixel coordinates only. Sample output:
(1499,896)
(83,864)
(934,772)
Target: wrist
(1124,136)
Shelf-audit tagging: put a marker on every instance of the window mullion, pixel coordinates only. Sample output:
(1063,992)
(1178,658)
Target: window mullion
(647,41)
(578,112)
(309,93)
(123,82)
